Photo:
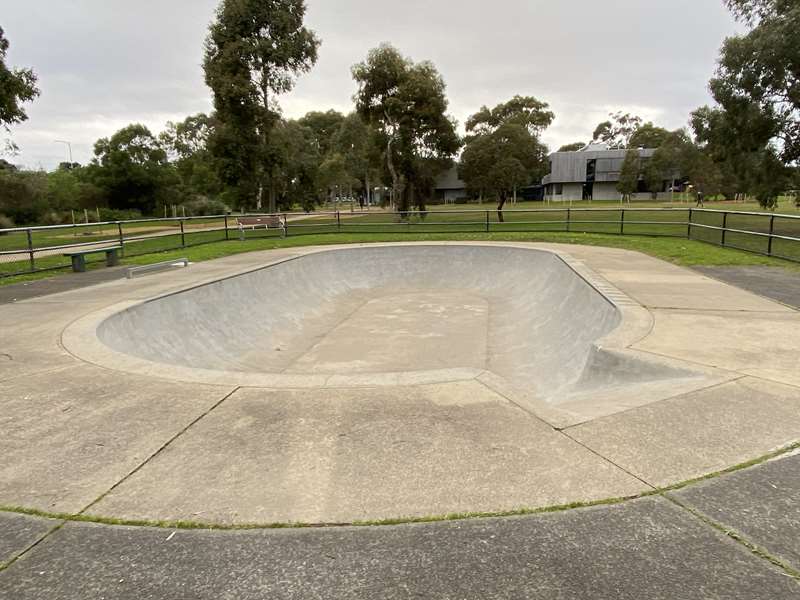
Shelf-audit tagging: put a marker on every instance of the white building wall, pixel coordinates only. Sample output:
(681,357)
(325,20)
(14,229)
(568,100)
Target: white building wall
(605,191)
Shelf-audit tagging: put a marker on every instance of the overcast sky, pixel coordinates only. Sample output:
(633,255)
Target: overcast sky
(103,64)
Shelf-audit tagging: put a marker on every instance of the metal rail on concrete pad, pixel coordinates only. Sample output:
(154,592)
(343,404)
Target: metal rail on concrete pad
(143,269)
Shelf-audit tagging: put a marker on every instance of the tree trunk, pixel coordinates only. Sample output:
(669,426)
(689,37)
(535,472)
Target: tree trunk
(500,216)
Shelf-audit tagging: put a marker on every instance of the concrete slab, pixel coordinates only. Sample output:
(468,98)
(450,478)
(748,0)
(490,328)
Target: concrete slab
(407,331)
(758,344)
(698,433)
(658,284)
(645,549)
(761,503)
(69,435)
(30,340)
(19,532)
(777,283)
(347,455)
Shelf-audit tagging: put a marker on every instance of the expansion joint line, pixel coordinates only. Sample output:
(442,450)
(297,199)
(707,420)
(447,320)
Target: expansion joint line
(716,526)
(58,526)
(753,548)
(159,451)
(652,487)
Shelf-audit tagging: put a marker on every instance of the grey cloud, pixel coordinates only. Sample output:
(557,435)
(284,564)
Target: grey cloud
(103,64)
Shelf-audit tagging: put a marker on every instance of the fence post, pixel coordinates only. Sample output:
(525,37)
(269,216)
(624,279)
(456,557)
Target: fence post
(622,221)
(183,235)
(338,221)
(227,235)
(30,250)
(689,226)
(771,233)
(487,221)
(569,217)
(285,225)
(724,228)
(121,238)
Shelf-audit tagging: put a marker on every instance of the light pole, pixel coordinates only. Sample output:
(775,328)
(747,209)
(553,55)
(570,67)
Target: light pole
(69,147)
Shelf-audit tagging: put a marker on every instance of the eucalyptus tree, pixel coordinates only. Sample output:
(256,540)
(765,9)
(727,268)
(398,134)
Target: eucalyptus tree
(758,76)
(254,51)
(405,103)
(616,132)
(503,151)
(17,86)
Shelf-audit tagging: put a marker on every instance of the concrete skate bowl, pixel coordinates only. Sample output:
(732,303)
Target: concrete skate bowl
(525,320)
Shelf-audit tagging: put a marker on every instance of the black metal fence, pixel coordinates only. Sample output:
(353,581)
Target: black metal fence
(31,249)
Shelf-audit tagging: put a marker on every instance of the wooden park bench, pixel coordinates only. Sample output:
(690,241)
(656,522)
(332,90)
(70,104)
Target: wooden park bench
(79,257)
(266,222)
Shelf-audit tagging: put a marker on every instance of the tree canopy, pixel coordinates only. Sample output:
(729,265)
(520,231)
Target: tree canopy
(133,167)
(17,86)
(405,103)
(255,49)
(525,111)
(618,130)
(758,78)
(573,147)
(503,151)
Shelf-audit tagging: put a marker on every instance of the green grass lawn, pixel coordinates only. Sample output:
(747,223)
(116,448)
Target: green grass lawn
(675,250)
(653,230)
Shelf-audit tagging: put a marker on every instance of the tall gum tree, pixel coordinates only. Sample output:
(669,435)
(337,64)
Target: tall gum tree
(254,51)
(405,102)
(503,150)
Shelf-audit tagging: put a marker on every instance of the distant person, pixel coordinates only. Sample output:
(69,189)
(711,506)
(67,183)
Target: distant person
(700,198)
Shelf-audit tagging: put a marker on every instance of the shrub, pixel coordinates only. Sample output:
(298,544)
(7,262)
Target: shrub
(113,214)
(203,207)
(54,218)
(5,223)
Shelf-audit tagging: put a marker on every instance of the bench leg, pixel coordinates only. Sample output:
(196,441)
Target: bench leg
(112,258)
(79,263)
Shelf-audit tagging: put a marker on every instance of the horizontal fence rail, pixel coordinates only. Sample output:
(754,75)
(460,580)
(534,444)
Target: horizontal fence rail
(32,249)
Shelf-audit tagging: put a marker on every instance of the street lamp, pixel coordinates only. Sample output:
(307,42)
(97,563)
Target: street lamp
(69,147)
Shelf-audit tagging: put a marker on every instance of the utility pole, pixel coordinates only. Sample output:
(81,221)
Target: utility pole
(69,148)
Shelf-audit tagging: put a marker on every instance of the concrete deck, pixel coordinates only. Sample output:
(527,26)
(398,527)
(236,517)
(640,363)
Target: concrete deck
(151,441)
(139,440)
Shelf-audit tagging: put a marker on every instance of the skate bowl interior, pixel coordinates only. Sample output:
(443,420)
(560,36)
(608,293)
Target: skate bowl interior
(375,313)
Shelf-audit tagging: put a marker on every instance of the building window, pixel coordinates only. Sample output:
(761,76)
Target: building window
(558,189)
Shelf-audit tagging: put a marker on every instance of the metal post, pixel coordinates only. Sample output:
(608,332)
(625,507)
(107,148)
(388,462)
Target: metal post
(121,238)
(487,221)
(183,235)
(30,250)
(771,233)
(285,226)
(724,228)
(569,217)
(622,221)
(338,221)
(689,226)
(227,235)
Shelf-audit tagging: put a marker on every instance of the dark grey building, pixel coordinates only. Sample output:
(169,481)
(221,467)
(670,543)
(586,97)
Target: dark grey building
(592,174)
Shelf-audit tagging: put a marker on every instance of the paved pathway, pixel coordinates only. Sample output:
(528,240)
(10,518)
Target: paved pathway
(777,283)
(666,547)
(37,288)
